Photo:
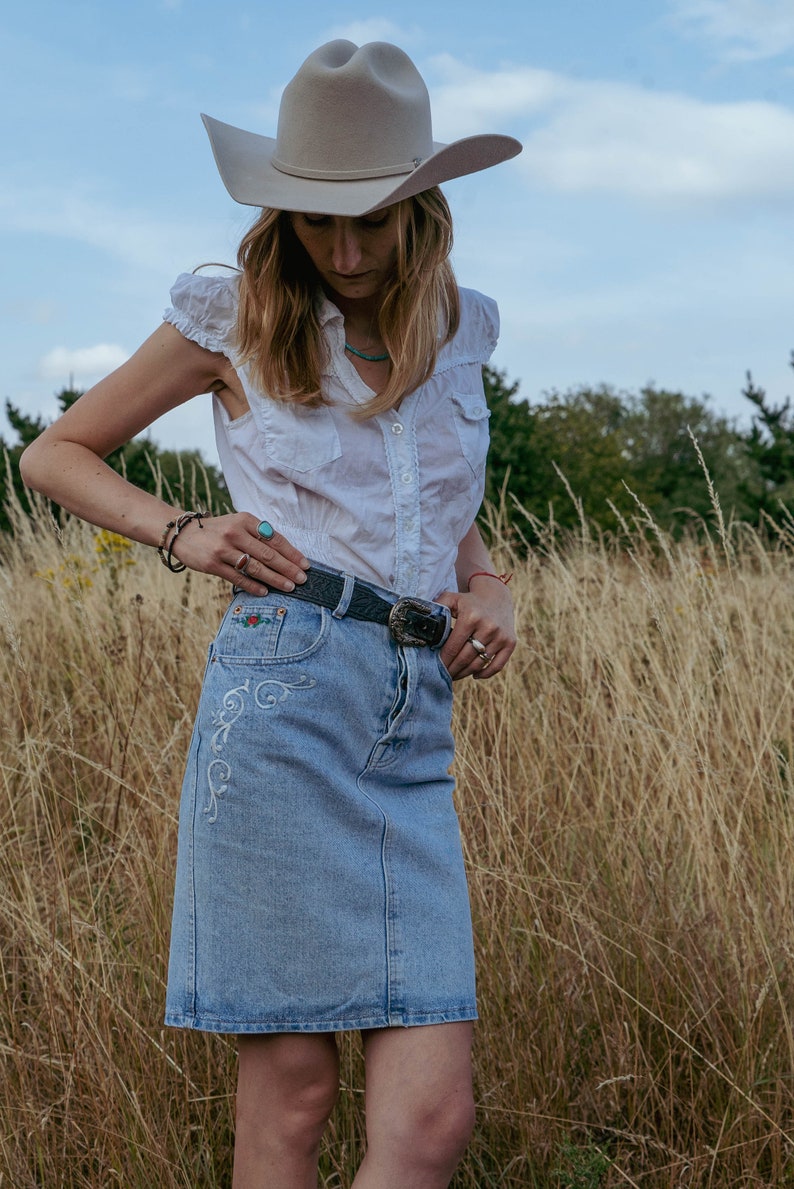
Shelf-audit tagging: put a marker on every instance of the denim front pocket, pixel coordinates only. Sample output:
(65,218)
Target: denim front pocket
(258,631)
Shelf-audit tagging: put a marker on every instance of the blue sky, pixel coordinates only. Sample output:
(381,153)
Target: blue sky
(644,235)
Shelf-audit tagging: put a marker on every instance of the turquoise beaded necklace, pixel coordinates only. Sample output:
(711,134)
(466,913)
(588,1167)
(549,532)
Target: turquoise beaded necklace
(363,355)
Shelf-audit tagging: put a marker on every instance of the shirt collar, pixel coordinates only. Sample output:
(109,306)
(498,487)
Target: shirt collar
(326,310)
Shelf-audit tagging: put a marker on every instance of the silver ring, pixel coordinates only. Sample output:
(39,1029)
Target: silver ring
(242,562)
(478,647)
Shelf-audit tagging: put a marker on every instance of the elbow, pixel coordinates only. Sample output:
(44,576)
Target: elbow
(32,469)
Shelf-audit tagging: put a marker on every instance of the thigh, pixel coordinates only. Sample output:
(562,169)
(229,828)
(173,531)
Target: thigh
(411,1073)
(276,1070)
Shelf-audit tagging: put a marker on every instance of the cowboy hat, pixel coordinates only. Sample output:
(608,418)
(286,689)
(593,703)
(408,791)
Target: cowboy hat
(354,135)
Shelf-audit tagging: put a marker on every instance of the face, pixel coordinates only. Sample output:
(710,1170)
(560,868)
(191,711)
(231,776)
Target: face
(354,257)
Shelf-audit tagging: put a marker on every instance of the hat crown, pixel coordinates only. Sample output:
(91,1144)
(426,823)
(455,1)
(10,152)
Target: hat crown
(354,112)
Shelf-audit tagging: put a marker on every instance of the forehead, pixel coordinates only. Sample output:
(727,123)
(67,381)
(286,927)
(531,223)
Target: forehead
(376,216)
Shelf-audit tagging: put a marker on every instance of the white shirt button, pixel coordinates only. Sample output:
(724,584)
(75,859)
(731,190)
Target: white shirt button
(397,428)
(407,477)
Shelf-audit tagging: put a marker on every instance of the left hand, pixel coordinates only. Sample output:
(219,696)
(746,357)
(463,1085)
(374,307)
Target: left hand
(487,615)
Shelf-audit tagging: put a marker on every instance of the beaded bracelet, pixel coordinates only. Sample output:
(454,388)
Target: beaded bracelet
(503,578)
(166,554)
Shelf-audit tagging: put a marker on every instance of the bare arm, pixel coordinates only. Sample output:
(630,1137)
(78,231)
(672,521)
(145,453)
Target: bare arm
(485,612)
(66,464)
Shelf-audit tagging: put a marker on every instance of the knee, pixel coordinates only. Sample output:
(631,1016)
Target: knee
(293,1121)
(438,1133)
(449,1129)
(304,1112)
(286,1093)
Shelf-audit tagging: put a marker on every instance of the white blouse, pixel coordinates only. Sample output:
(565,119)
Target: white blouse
(388,499)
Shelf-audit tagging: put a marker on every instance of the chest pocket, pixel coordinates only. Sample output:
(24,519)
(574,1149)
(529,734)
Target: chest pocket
(470,414)
(297,438)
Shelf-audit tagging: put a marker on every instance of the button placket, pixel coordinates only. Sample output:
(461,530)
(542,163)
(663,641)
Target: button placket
(400,441)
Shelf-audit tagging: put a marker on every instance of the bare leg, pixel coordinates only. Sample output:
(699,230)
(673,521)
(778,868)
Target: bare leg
(286,1089)
(420,1108)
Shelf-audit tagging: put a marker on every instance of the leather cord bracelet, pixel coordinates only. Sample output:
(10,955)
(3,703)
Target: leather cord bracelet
(503,578)
(166,552)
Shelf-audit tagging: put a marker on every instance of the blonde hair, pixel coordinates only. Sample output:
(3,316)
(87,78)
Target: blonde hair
(278,331)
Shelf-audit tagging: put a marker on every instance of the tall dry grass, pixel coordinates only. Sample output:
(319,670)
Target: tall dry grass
(625,792)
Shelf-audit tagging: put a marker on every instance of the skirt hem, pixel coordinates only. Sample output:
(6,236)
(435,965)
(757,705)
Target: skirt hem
(205,1023)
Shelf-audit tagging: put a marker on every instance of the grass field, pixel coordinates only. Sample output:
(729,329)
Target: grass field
(626,798)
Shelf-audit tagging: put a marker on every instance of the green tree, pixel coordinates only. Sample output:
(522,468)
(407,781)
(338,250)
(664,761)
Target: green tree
(664,468)
(569,443)
(512,431)
(605,448)
(770,449)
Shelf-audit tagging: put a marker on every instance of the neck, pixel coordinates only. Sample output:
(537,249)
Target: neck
(359,313)
(361,321)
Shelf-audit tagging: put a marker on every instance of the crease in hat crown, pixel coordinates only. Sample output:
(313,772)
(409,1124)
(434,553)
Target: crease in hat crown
(321,132)
(354,135)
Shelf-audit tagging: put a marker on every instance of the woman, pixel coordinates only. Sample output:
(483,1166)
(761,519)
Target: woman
(319,878)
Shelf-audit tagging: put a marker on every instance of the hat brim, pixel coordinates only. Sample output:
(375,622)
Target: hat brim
(244,163)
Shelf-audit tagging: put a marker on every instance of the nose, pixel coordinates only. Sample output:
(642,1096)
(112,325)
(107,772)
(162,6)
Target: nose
(346,248)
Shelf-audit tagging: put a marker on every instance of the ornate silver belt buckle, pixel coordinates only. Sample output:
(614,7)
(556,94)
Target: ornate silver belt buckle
(414,622)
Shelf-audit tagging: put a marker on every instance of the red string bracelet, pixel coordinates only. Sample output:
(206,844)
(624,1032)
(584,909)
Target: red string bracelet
(503,578)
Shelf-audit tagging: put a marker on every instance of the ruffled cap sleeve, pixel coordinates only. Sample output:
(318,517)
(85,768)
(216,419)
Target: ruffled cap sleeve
(478,333)
(480,324)
(204,310)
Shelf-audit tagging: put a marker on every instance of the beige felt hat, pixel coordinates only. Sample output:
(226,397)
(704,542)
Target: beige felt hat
(354,134)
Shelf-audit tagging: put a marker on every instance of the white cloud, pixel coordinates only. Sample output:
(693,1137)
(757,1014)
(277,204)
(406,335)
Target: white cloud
(658,146)
(466,101)
(131,236)
(81,362)
(665,147)
(739,29)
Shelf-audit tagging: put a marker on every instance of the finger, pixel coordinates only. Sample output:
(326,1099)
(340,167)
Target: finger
(501,656)
(241,576)
(459,655)
(483,667)
(272,545)
(275,560)
(490,667)
(465,656)
(271,574)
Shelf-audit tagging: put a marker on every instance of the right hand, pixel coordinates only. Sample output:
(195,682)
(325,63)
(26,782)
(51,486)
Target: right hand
(220,542)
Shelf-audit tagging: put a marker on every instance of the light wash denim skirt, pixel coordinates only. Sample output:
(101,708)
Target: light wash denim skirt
(320,882)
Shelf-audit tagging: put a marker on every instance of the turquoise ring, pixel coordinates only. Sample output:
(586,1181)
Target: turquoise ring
(265,529)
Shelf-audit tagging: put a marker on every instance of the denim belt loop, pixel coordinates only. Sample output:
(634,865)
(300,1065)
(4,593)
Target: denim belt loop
(340,610)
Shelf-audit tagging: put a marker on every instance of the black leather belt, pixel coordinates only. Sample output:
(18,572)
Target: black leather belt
(416,622)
